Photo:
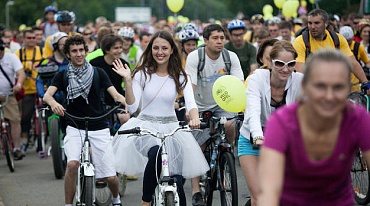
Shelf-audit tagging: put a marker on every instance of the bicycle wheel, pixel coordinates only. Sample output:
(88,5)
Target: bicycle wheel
(38,129)
(169,199)
(87,190)
(360,176)
(56,150)
(122,184)
(8,152)
(41,137)
(229,187)
(103,196)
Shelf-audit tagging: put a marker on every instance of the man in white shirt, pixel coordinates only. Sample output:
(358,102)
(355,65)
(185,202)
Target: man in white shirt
(214,67)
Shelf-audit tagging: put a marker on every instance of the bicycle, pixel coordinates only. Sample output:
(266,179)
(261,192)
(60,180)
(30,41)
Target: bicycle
(219,154)
(86,188)
(40,128)
(102,192)
(56,148)
(166,191)
(360,174)
(6,140)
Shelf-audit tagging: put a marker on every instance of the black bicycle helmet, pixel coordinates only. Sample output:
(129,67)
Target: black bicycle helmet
(63,16)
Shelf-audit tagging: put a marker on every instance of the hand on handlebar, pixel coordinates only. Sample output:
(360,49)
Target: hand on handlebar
(57,109)
(194,123)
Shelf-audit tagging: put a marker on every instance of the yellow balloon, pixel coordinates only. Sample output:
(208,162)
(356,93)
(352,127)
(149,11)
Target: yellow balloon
(289,8)
(279,3)
(267,16)
(303,3)
(170,19)
(267,9)
(229,93)
(175,5)
(312,1)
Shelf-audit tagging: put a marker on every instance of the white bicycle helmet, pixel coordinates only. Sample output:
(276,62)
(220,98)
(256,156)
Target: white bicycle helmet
(187,34)
(190,26)
(126,32)
(55,39)
(236,24)
(347,32)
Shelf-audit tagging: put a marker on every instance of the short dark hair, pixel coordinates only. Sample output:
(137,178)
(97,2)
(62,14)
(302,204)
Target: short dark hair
(108,42)
(262,48)
(27,31)
(286,25)
(74,40)
(322,13)
(210,28)
(144,33)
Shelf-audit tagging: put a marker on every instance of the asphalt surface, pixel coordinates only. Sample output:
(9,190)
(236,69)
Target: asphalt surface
(33,184)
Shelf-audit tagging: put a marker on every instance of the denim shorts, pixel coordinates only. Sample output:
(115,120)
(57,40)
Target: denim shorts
(245,147)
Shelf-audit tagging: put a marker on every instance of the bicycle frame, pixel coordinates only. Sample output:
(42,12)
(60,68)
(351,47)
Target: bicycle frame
(166,184)
(222,174)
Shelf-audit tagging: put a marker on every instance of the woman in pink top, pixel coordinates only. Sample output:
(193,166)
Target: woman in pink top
(309,146)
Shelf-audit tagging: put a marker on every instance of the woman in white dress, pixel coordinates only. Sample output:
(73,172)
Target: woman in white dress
(156,82)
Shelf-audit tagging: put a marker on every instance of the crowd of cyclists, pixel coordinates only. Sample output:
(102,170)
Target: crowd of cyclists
(154,69)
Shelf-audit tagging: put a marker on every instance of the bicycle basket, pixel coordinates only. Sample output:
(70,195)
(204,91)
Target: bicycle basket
(47,71)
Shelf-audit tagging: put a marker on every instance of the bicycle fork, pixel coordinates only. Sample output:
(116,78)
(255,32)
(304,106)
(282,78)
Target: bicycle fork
(86,169)
(166,184)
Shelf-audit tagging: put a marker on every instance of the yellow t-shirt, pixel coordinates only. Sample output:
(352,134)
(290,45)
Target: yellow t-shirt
(300,47)
(362,56)
(30,58)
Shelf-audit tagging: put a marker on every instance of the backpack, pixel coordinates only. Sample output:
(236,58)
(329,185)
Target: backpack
(306,40)
(202,59)
(96,83)
(355,50)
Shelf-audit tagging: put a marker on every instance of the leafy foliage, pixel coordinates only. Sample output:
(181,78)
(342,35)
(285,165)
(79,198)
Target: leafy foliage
(27,12)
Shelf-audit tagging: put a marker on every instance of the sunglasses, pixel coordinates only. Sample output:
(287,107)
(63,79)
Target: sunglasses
(2,48)
(87,34)
(281,64)
(29,37)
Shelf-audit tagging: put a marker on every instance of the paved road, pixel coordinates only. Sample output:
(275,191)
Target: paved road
(33,184)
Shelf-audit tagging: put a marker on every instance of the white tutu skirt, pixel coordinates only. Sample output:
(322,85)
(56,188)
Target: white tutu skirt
(184,154)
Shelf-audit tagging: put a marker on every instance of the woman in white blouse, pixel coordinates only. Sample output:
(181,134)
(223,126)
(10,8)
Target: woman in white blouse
(268,89)
(156,83)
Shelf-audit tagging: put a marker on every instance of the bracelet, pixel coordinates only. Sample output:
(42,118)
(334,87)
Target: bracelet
(257,138)
(19,85)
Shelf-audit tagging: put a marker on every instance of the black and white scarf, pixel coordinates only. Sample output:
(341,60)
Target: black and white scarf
(79,81)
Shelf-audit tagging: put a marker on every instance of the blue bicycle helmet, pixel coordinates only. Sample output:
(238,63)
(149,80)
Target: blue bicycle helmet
(50,9)
(187,34)
(236,24)
(63,16)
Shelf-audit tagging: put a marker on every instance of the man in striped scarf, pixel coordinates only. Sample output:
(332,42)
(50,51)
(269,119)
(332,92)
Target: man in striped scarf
(84,99)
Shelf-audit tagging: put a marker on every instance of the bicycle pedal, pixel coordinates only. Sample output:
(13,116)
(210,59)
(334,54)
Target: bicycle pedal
(42,155)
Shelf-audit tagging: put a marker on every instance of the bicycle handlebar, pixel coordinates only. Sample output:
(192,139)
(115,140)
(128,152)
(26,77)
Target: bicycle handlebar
(140,131)
(68,115)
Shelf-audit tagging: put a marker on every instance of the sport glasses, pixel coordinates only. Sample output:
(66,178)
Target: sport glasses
(281,64)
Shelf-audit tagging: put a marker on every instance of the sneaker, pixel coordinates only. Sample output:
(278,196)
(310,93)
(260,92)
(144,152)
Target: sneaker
(197,200)
(117,204)
(18,155)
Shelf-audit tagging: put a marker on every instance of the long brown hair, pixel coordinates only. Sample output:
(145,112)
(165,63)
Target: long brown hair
(149,66)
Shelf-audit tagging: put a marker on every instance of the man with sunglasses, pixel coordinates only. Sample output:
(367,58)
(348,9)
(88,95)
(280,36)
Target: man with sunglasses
(243,49)
(30,56)
(10,67)
(319,37)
